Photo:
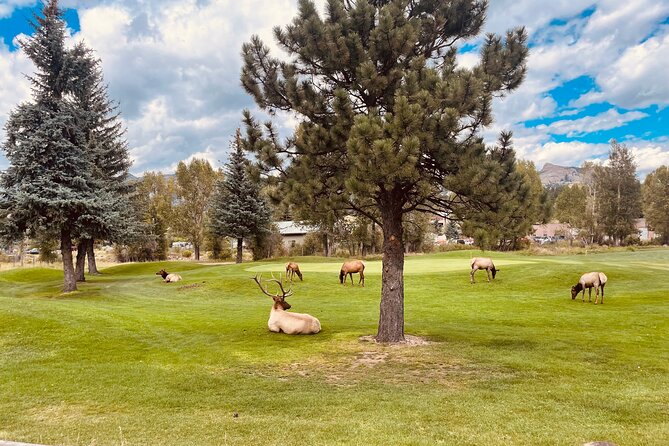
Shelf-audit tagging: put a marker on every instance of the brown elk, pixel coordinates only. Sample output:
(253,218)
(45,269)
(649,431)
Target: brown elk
(350,268)
(280,320)
(591,280)
(485,263)
(167,277)
(292,268)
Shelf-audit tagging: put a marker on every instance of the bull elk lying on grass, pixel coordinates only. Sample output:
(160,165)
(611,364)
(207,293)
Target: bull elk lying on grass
(281,320)
(350,268)
(482,263)
(591,280)
(167,277)
(292,269)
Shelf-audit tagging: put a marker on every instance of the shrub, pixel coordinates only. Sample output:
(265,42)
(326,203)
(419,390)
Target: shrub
(313,244)
(187,253)
(267,245)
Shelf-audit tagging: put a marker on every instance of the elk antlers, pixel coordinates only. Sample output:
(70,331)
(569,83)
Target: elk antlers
(284,293)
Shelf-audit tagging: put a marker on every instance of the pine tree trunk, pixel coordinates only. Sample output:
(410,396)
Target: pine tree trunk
(81,261)
(197,251)
(90,253)
(375,248)
(70,281)
(240,243)
(391,319)
(326,245)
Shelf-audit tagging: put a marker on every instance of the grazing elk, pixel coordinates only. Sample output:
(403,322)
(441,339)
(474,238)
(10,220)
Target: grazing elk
(167,277)
(280,320)
(482,263)
(292,268)
(591,280)
(350,268)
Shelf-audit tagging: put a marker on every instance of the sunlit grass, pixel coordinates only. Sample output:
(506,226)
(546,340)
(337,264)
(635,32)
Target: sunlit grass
(130,360)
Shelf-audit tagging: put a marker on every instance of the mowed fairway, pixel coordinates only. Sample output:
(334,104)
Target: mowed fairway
(129,360)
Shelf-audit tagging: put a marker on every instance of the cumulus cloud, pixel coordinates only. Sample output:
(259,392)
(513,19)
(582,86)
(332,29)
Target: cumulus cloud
(607,120)
(566,153)
(15,86)
(649,155)
(174,66)
(175,71)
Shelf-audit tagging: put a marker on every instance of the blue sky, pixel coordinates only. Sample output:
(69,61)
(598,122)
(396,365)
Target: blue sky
(597,71)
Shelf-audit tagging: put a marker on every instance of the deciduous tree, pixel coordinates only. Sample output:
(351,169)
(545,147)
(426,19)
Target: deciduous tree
(195,183)
(618,193)
(153,206)
(656,201)
(570,208)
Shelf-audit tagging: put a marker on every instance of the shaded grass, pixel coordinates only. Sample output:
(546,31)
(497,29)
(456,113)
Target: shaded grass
(130,360)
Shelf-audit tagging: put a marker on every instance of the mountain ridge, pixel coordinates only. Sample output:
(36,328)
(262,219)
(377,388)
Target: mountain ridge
(553,175)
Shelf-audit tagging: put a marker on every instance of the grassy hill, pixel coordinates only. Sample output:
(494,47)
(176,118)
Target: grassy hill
(128,360)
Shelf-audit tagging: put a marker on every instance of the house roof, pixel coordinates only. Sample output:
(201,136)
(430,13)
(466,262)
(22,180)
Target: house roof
(293,228)
(549,229)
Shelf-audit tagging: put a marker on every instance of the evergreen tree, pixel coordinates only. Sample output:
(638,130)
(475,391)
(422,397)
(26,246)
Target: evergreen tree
(618,194)
(452,231)
(519,203)
(195,186)
(389,124)
(238,211)
(48,185)
(106,147)
(656,201)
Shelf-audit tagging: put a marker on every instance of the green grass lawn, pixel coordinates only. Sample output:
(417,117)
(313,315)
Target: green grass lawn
(128,360)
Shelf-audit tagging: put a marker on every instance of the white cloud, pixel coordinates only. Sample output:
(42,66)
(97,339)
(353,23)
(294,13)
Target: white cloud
(8,6)
(175,71)
(15,88)
(649,155)
(607,120)
(565,153)
(503,14)
(174,67)
(469,59)
(639,78)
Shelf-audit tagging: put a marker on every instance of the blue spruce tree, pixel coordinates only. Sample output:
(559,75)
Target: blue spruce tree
(238,211)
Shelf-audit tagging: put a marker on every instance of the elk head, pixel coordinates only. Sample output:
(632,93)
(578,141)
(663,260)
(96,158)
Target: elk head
(575,290)
(279,299)
(162,273)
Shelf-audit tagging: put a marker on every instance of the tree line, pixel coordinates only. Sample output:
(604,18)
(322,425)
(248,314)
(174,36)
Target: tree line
(605,207)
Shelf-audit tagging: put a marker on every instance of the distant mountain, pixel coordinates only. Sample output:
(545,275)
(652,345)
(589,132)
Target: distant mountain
(554,175)
(134,178)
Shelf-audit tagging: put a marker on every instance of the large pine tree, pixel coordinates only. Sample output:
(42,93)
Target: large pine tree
(105,145)
(68,161)
(48,184)
(389,123)
(237,209)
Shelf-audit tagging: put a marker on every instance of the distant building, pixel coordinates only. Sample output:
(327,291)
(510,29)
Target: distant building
(293,233)
(551,230)
(645,234)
